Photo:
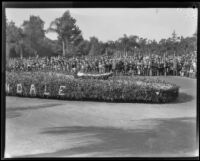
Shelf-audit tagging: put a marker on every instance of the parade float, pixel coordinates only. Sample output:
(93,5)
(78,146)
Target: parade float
(113,89)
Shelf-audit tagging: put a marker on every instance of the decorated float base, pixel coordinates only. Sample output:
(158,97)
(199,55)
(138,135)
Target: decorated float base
(114,89)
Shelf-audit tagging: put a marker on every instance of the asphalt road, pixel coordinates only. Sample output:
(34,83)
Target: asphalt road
(55,128)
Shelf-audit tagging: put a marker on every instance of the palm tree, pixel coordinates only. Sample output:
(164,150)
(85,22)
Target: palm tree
(68,32)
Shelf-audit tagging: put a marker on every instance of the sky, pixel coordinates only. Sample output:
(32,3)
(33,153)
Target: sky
(111,23)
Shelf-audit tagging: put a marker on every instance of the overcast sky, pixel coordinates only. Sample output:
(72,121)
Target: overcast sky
(110,24)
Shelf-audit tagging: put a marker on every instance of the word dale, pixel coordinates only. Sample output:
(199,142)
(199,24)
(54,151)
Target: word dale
(33,89)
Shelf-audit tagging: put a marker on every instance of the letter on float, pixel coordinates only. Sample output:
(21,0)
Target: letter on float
(61,90)
(32,90)
(45,90)
(19,88)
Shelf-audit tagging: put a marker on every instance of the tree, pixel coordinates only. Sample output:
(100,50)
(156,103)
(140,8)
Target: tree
(83,48)
(174,36)
(127,44)
(153,47)
(14,39)
(68,32)
(195,34)
(124,43)
(110,47)
(94,46)
(34,34)
(143,46)
(49,47)
(162,46)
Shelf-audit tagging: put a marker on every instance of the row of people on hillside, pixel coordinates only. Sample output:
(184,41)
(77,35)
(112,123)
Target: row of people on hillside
(137,65)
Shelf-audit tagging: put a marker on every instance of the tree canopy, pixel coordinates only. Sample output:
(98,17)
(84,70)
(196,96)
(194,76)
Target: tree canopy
(68,32)
(30,40)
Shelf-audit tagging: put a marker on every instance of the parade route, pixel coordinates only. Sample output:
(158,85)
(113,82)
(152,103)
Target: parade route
(58,128)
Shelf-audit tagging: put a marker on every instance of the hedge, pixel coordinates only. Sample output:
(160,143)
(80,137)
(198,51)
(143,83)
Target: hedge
(115,89)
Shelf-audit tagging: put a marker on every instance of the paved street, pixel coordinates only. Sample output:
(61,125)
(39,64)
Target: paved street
(55,128)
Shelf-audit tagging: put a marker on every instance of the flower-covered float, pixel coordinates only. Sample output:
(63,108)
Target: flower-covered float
(113,89)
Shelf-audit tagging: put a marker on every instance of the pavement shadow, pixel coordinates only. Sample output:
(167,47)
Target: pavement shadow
(172,136)
(182,98)
(11,115)
(31,107)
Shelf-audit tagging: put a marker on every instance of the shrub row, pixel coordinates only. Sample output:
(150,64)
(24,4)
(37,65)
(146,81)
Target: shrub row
(115,89)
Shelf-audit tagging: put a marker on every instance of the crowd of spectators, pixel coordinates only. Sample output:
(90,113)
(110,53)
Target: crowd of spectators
(152,65)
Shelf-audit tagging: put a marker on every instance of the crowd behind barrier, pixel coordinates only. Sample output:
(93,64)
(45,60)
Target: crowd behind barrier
(153,65)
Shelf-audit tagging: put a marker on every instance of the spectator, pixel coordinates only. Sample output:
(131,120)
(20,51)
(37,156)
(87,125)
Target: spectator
(184,65)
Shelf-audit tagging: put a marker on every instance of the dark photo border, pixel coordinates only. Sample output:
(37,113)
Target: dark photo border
(87,4)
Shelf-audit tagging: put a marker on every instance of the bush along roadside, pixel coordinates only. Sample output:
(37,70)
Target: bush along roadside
(115,89)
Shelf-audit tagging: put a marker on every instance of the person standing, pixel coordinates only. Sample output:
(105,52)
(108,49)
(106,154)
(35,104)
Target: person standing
(125,67)
(174,67)
(150,67)
(113,66)
(145,68)
(162,68)
(110,65)
(103,67)
(157,67)
(138,68)
(165,67)
(100,67)
(106,66)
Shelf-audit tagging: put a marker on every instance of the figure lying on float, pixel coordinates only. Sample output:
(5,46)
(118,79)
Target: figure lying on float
(94,76)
